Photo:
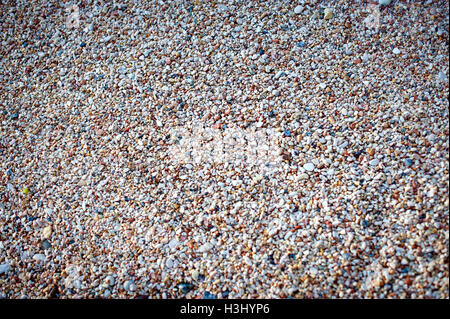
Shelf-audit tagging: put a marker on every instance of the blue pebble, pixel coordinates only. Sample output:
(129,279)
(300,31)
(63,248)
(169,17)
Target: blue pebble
(209,295)
(185,287)
(261,51)
(408,162)
(82,44)
(301,44)
(287,133)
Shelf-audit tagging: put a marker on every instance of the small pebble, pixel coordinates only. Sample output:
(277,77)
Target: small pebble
(309,167)
(374,162)
(396,51)
(298,9)
(328,14)
(4,268)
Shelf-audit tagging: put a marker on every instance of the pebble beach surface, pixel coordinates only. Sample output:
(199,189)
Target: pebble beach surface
(95,202)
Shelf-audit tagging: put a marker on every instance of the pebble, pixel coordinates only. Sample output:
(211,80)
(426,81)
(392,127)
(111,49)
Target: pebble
(328,14)
(4,268)
(209,295)
(298,9)
(205,247)
(47,232)
(408,162)
(195,274)
(309,167)
(185,287)
(129,286)
(40,257)
(442,77)
(45,244)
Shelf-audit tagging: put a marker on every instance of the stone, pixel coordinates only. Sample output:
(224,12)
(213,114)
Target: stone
(195,275)
(309,167)
(209,295)
(374,162)
(303,176)
(126,285)
(205,248)
(222,8)
(185,287)
(396,51)
(14,116)
(298,9)
(4,268)
(169,263)
(408,162)
(45,244)
(328,14)
(173,243)
(109,280)
(442,77)
(365,57)
(40,257)
(384,2)
(47,232)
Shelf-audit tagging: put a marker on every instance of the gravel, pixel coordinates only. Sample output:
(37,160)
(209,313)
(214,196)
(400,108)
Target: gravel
(229,149)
